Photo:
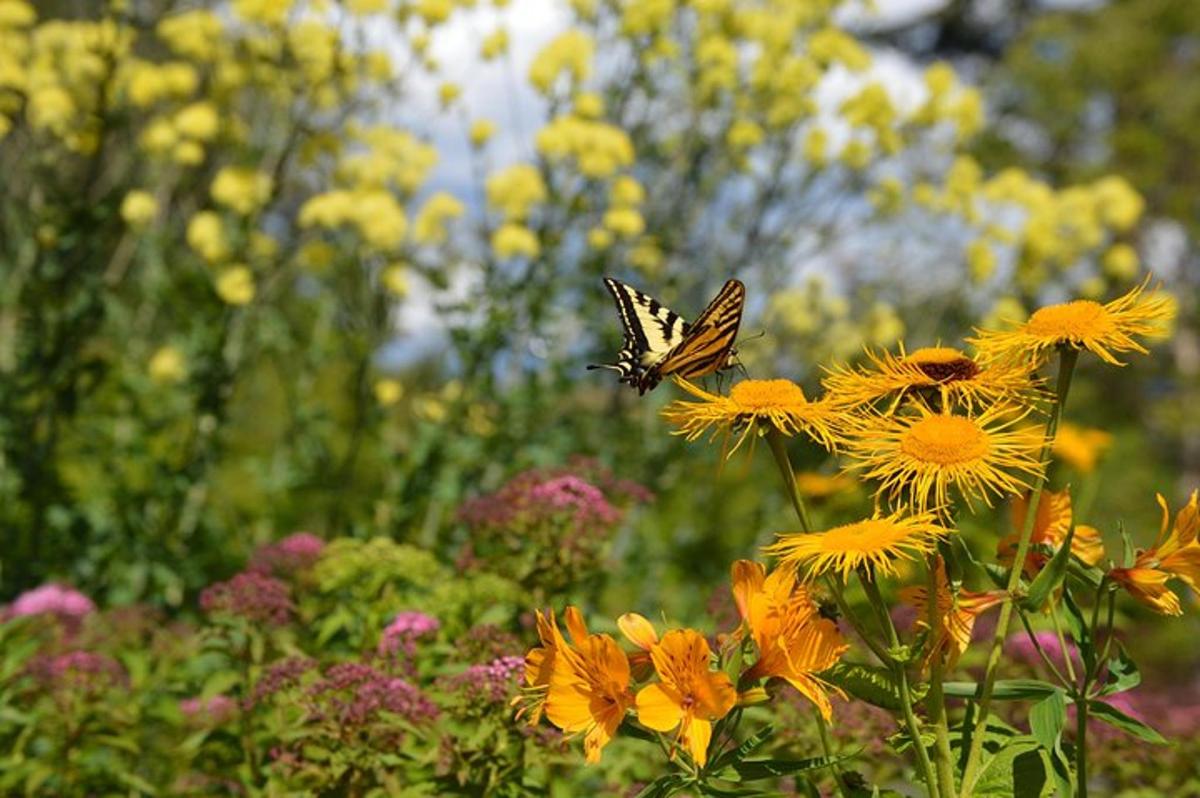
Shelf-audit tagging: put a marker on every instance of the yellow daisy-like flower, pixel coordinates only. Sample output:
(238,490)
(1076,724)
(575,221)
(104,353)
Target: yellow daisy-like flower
(1081,324)
(819,486)
(918,458)
(931,371)
(780,403)
(1080,447)
(873,543)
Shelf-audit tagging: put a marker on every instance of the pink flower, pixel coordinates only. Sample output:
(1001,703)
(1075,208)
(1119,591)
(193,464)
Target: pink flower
(404,630)
(250,595)
(214,711)
(52,599)
(296,552)
(491,683)
(354,694)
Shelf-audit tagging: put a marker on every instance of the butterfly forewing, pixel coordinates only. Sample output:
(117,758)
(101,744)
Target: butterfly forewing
(708,343)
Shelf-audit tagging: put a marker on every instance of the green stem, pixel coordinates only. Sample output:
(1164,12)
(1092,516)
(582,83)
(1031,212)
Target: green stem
(1042,652)
(1066,367)
(935,701)
(1081,713)
(900,674)
(1062,640)
(779,448)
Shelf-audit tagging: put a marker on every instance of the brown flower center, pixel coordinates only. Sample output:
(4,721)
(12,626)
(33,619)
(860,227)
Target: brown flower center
(945,440)
(943,364)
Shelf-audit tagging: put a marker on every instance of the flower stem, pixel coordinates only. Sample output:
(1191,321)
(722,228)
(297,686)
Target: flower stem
(1081,711)
(1062,640)
(935,701)
(900,674)
(1066,367)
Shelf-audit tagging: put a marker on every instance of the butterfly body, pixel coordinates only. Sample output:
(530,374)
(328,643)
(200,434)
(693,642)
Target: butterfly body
(659,342)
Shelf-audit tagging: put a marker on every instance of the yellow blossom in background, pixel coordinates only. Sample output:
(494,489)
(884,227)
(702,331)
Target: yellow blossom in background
(1080,447)
(832,45)
(188,153)
(206,236)
(368,6)
(494,45)
(139,208)
(856,154)
(198,121)
(434,11)
(918,458)
(816,146)
(589,105)
(744,134)
(429,226)
(388,391)
(240,189)
(395,280)
(167,365)
(872,543)
(598,149)
(262,246)
(1174,555)
(235,285)
(1121,262)
(196,34)
(981,260)
(570,54)
(515,190)
(599,239)
(375,214)
(448,93)
(16,14)
(1120,204)
(626,192)
(481,132)
(624,222)
(392,158)
(1081,324)
(781,404)
(817,485)
(514,240)
(269,12)
(690,695)
(1052,521)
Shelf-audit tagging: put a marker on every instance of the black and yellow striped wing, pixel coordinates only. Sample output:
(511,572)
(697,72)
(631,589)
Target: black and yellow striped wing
(652,330)
(707,346)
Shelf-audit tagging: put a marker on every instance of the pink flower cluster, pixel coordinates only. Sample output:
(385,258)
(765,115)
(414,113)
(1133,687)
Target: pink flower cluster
(78,670)
(250,595)
(279,676)
(406,628)
(52,599)
(537,496)
(490,683)
(354,694)
(294,553)
(215,711)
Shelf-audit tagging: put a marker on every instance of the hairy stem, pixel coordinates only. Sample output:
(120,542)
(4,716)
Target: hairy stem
(1066,367)
(935,701)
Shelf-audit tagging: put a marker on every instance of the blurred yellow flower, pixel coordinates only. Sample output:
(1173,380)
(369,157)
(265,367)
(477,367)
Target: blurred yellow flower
(429,226)
(816,146)
(206,236)
(448,93)
(198,121)
(589,105)
(270,12)
(778,403)
(626,192)
(374,213)
(235,285)
(1121,262)
(599,149)
(388,391)
(167,365)
(828,45)
(1174,555)
(434,11)
(241,189)
(481,132)
(981,260)
(1121,206)
(395,280)
(195,34)
(188,153)
(625,222)
(818,485)
(744,134)
(918,458)
(139,208)
(1080,447)
(513,240)
(599,239)
(873,544)
(569,54)
(494,45)
(16,14)
(515,190)
(364,7)
(1081,324)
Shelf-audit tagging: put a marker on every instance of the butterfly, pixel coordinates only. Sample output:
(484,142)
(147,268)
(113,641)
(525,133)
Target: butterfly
(659,342)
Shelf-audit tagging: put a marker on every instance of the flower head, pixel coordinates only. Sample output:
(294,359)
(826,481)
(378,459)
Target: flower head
(918,458)
(296,552)
(1052,522)
(250,595)
(779,403)
(690,696)
(873,543)
(52,599)
(1174,555)
(954,612)
(1081,324)
(401,635)
(931,371)
(794,641)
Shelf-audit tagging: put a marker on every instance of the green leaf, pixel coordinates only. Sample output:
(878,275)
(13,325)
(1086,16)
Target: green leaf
(866,683)
(631,729)
(1002,690)
(1115,717)
(665,785)
(1046,720)
(755,769)
(721,792)
(1050,577)
(1123,673)
(743,750)
(1019,768)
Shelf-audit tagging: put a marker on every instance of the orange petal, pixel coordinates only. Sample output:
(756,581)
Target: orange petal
(747,578)
(575,625)
(639,630)
(696,735)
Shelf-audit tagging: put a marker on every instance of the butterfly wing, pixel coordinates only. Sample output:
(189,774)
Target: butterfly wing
(707,346)
(652,330)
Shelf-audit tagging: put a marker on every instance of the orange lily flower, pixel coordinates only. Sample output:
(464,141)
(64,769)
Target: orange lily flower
(1173,556)
(1052,522)
(956,615)
(690,695)
(583,686)
(794,641)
